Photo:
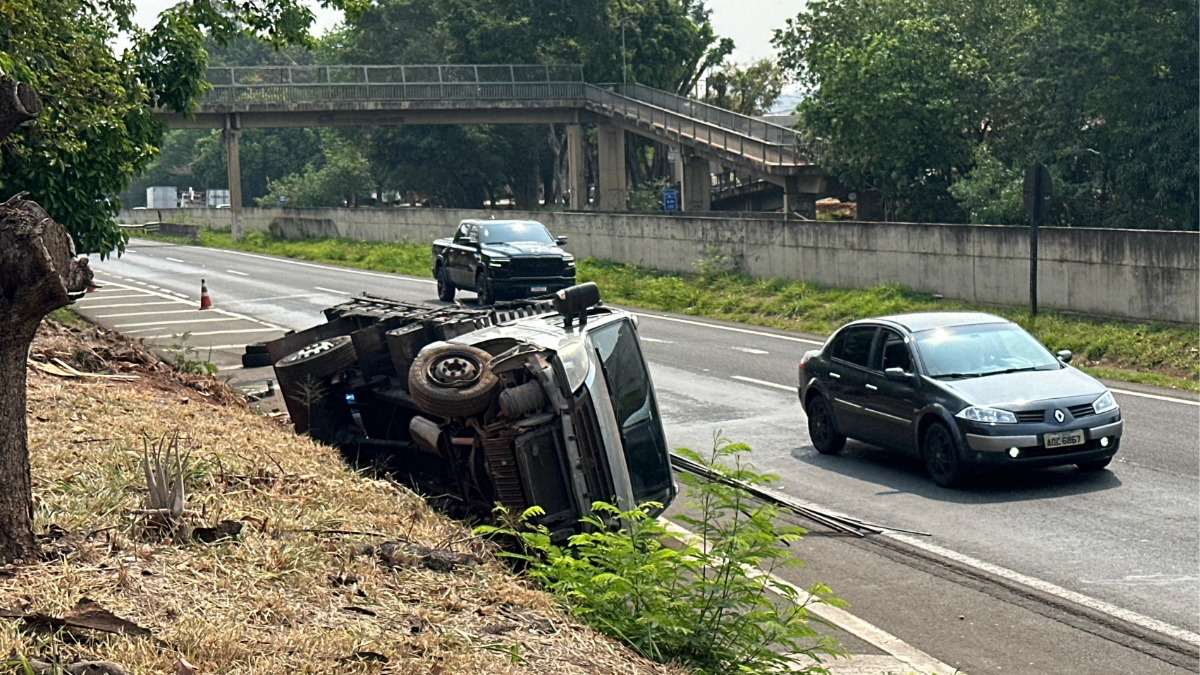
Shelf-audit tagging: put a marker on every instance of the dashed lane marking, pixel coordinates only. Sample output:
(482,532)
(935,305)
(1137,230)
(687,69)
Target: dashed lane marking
(750,350)
(115,297)
(177,260)
(330,290)
(158,313)
(123,326)
(764,383)
(240,274)
(732,329)
(130,304)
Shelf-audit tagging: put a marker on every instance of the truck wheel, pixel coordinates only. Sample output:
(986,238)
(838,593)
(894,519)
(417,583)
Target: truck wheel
(942,459)
(450,380)
(483,289)
(444,286)
(318,360)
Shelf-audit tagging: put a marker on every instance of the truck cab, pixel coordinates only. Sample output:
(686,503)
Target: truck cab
(546,403)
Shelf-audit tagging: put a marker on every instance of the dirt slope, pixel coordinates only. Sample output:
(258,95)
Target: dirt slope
(293,592)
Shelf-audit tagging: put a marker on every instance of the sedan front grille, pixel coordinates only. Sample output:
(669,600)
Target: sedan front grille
(536,267)
(1084,410)
(1030,416)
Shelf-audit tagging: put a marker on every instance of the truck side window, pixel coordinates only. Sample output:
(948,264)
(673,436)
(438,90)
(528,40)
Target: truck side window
(894,353)
(462,232)
(473,234)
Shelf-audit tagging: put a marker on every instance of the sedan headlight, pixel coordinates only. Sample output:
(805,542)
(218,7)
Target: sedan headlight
(1105,403)
(987,415)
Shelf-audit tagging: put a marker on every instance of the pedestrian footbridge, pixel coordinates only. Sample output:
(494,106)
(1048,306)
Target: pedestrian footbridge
(309,96)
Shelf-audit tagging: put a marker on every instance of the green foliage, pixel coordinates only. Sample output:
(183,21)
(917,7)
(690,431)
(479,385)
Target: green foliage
(343,176)
(712,604)
(992,192)
(647,196)
(909,97)
(186,358)
(97,130)
(749,90)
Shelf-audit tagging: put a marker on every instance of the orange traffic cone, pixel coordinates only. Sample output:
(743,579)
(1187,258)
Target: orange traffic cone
(205,301)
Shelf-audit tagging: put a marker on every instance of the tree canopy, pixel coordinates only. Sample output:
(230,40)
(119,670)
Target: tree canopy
(939,105)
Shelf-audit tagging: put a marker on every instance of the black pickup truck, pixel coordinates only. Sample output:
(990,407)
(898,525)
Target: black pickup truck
(501,259)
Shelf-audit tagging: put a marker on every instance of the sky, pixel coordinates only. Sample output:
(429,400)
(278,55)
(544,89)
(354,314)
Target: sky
(749,22)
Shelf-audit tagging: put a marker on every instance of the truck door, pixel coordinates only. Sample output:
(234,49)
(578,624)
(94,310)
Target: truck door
(463,255)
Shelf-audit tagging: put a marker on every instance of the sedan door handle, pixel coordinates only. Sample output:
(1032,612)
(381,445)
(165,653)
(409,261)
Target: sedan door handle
(835,376)
(872,387)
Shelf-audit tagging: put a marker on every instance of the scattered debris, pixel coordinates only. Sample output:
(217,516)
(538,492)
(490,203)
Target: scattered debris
(87,614)
(226,529)
(40,667)
(399,554)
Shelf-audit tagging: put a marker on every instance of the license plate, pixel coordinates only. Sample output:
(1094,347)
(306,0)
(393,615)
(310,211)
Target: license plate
(537,289)
(1061,439)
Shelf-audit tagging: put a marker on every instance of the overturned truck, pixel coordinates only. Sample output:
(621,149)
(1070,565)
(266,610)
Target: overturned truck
(536,402)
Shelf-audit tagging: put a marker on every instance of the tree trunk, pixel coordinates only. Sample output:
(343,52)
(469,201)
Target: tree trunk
(38,272)
(18,103)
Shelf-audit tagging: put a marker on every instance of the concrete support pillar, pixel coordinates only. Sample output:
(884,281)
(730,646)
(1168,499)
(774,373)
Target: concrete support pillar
(612,195)
(233,165)
(696,183)
(797,204)
(577,167)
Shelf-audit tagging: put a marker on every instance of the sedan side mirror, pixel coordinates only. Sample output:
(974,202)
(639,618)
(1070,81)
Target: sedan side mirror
(1065,355)
(898,375)
(561,241)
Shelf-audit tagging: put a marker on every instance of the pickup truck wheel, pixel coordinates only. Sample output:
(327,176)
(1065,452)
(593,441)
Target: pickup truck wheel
(301,377)
(450,380)
(445,287)
(483,289)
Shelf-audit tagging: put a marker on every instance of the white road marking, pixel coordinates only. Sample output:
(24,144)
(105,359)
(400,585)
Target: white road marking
(159,313)
(1057,591)
(141,283)
(216,311)
(330,290)
(169,323)
(240,274)
(750,350)
(764,383)
(273,297)
(216,332)
(129,250)
(650,339)
(219,347)
(225,368)
(130,304)
(911,656)
(1156,397)
(115,297)
(394,277)
(734,329)
(177,260)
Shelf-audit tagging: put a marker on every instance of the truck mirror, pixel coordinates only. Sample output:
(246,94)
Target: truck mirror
(560,241)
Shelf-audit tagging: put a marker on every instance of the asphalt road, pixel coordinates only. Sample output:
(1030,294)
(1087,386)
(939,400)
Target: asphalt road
(1129,536)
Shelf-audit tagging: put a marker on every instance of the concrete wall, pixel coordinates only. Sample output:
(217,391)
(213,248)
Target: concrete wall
(1123,273)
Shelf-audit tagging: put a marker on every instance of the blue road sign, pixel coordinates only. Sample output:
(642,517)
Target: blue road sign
(282,200)
(670,200)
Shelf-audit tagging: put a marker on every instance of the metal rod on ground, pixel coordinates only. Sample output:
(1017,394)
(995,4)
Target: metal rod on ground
(845,524)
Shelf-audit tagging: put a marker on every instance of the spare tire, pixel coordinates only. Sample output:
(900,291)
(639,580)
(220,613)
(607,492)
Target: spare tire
(449,380)
(319,359)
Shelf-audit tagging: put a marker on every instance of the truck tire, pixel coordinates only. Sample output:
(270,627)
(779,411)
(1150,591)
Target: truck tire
(318,360)
(450,380)
(255,360)
(445,287)
(483,289)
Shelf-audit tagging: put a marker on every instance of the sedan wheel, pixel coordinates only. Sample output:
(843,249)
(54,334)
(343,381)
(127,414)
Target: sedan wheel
(824,437)
(941,456)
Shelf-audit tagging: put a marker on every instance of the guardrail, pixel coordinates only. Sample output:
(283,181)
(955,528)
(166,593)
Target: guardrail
(316,84)
(790,151)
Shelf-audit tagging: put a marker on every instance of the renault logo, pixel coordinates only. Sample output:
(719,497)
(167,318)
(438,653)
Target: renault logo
(1058,415)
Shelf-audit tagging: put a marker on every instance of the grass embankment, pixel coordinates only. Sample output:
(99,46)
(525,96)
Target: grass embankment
(296,591)
(1151,353)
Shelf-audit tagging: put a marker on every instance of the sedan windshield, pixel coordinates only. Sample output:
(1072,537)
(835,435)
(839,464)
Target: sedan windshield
(976,351)
(513,233)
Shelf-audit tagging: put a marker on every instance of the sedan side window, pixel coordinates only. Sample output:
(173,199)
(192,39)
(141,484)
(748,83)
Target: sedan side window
(894,353)
(856,346)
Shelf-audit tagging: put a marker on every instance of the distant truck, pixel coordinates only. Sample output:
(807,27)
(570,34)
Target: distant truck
(162,197)
(545,403)
(501,259)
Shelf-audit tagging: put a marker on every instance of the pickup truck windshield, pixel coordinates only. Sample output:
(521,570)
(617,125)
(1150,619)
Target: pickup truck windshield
(633,402)
(513,233)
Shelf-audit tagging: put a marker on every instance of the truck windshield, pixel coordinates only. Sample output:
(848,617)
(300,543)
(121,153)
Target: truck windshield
(515,233)
(632,397)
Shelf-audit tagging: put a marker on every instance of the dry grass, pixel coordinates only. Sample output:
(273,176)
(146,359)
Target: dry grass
(276,599)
